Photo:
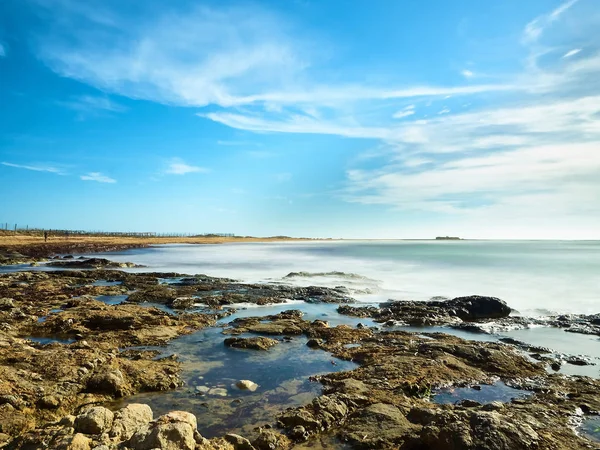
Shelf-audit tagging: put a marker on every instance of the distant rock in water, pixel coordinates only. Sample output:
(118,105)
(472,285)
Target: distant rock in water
(335,274)
(445,312)
(477,307)
(91,263)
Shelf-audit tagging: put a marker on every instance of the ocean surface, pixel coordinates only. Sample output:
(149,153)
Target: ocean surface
(533,277)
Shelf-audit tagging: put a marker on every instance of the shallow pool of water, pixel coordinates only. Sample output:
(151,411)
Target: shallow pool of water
(590,428)
(106,283)
(49,340)
(282,374)
(112,299)
(485,393)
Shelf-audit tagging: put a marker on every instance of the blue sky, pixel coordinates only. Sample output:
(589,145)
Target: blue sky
(378,119)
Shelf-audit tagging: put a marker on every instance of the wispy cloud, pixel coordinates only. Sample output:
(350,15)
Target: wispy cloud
(98,177)
(571,53)
(36,167)
(92,104)
(534,29)
(178,167)
(2,50)
(406,112)
(467,73)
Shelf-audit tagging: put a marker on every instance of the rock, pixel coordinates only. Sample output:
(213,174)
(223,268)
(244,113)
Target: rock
(6,304)
(247,385)
(218,391)
(111,383)
(299,433)
(182,302)
(202,389)
(49,402)
(377,426)
(96,420)
(173,431)
(466,403)
(314,343)
(76,442)
(127,420)
(68,421)
(179,416)
(477,307)
(238,442)
(254,343)
(271,440)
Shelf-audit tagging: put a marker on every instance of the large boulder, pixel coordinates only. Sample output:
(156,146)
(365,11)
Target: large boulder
(173,431)
(477,307)
(95,420)
(129,419)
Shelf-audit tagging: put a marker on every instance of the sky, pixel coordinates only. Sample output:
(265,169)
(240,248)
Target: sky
(361,119)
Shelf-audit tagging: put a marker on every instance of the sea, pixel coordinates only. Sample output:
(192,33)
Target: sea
(536,278)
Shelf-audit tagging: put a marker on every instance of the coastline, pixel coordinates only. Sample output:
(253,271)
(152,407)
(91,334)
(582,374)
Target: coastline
(75,342)
(27,248)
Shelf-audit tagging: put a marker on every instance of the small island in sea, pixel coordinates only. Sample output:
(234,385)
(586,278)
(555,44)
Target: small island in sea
(447,238)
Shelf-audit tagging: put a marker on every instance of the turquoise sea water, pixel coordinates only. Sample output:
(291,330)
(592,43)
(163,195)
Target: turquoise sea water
(534,277)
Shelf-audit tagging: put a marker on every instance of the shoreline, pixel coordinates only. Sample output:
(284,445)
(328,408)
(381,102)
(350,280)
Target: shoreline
(23,249)
(92,353)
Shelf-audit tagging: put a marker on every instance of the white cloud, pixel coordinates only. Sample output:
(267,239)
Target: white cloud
(571,53)
(534,29)
(36,168)
(92,104)
(467,73)
(406,112)
(178,167)
(2,50)
(97,176)
(444,111)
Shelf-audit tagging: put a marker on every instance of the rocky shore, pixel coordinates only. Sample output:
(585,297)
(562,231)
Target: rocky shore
(73,341)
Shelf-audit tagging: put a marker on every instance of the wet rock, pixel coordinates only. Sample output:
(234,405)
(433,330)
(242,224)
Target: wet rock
(202,389)
(477,307)
(96,420)
(579,361)
(127,420)
(91,263)
(220,392)
(314,343)
(254,343)
(182,302)
(247,385)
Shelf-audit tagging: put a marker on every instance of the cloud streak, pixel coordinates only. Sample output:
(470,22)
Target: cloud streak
(178,167)
(98,177)
(35,168)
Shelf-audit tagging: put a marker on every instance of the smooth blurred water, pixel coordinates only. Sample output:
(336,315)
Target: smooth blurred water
(534,277)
